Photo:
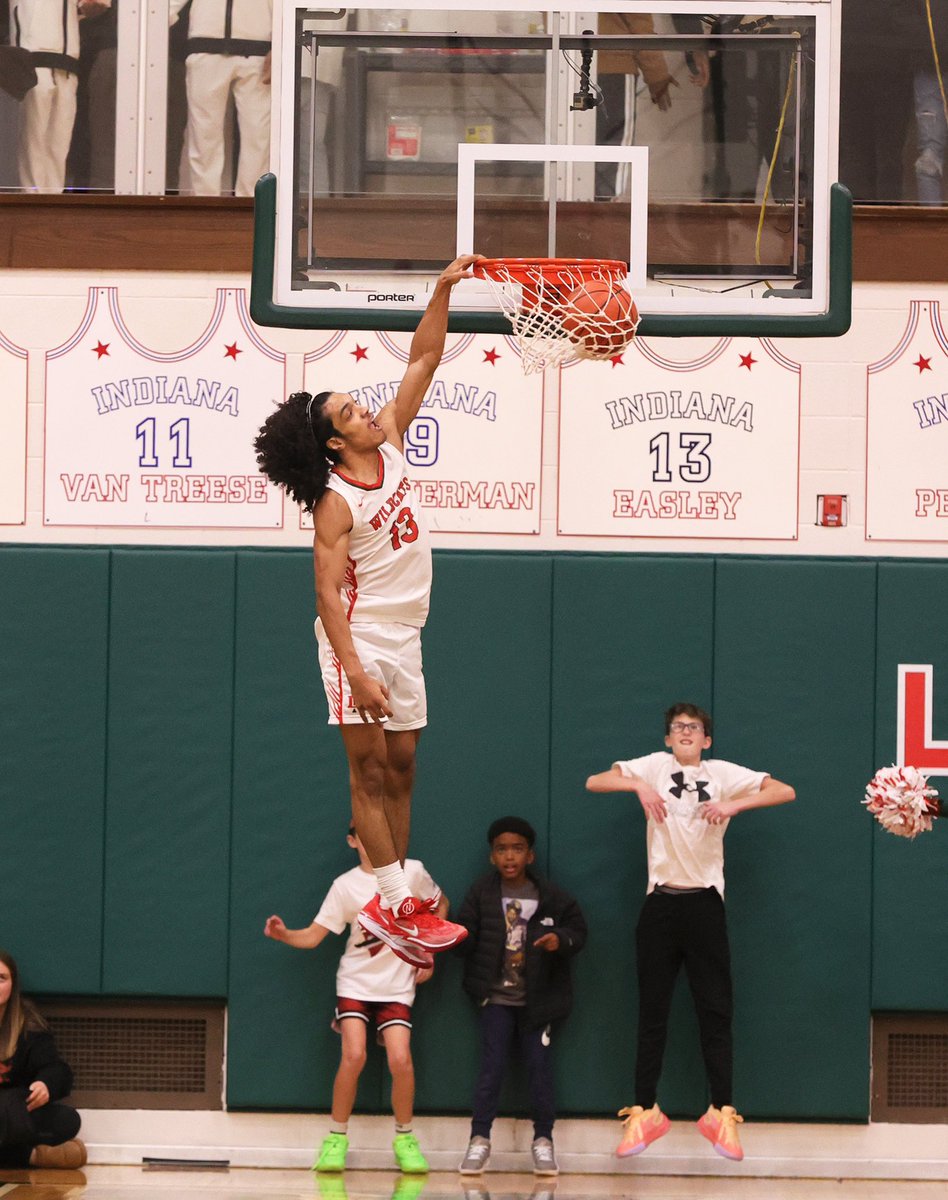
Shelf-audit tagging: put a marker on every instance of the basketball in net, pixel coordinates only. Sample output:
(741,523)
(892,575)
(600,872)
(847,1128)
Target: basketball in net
(562,309)
(600,319)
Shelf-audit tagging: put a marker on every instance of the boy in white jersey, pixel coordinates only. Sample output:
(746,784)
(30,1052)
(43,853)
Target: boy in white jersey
(373,577)
(371,984)
(688,803)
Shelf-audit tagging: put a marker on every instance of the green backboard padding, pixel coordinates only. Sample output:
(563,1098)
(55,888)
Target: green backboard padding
(54,612)
(794,671)
(167,846)
(910,900)
(631,635)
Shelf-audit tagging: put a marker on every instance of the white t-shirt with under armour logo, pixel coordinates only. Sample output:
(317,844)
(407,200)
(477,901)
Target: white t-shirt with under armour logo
(685,850)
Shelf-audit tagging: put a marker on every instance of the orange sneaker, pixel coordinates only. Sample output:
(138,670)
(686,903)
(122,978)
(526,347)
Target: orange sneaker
(642,1127)
(719,1126)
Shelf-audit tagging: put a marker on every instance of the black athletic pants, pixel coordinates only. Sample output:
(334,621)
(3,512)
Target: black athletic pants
(20,1130)
(673,930)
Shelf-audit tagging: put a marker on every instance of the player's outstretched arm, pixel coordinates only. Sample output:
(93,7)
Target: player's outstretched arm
(615,780)
(425,352)
(307,938)
(610,781)
(772,792)
(332,522)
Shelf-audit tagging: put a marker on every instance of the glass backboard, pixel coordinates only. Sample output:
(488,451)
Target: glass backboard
(700,148)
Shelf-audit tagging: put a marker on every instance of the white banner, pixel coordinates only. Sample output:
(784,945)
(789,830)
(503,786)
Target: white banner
(139,438)
(907,434)
(12,433)
(651,447)
(474,451)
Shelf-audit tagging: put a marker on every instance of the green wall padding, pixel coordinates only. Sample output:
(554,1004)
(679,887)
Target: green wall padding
(167,836)
(631,636)
(167,750)
(291,812)
(485,754)
(54,616)
(793,668)
(910,912)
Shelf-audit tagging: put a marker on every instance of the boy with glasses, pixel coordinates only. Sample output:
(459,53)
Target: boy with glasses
(688,803)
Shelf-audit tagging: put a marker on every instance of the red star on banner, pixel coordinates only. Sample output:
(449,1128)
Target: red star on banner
(360,352)
(102,349)
(231,351)
(748,360)
(491,356)
(617,360)
(923,364)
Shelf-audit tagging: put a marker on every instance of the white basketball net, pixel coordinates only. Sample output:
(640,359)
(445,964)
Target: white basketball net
(536,308)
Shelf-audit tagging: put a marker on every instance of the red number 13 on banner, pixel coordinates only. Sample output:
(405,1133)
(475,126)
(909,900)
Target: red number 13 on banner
(409,533)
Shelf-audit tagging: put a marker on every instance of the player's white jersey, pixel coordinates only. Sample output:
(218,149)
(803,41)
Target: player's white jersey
(388,577)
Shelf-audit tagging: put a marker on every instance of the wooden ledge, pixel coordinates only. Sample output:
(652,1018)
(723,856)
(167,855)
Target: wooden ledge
(85,232)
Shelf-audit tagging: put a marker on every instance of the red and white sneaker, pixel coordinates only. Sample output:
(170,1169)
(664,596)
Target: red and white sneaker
(410,928)
(415,955)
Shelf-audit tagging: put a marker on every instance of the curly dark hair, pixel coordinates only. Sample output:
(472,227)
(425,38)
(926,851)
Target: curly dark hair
(689,710)
(291,447)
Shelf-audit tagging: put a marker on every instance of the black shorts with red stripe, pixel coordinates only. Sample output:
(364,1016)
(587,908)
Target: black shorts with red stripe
(384,1012)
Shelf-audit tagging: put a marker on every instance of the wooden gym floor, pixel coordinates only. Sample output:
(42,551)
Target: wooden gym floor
(143,1183)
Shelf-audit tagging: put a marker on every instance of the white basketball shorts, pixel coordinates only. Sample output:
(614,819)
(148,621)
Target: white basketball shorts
(389,653)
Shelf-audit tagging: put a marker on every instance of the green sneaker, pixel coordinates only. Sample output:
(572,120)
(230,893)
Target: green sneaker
(331,1187)
(408,1154)
(332,1153)
(409,1187)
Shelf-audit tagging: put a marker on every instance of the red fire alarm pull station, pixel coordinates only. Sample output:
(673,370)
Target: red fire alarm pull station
(831,510)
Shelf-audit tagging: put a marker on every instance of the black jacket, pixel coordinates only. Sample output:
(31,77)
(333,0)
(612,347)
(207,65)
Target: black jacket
(549,988)
(36,1057)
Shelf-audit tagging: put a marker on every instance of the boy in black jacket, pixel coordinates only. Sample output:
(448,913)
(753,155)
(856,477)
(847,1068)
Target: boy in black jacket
(522,932)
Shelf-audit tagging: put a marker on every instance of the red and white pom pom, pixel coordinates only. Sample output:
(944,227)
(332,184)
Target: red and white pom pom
(901,801)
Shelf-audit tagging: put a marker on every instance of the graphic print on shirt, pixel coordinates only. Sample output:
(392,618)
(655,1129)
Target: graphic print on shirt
(517,912)
(368,942)
(700,786)
(686,792)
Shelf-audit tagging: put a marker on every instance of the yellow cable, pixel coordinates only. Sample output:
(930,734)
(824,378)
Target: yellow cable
(773,160)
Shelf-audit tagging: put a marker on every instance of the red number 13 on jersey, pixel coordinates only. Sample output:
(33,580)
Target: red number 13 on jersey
(407,534)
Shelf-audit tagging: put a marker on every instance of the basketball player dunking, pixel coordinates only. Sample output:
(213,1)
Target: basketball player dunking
(373,581)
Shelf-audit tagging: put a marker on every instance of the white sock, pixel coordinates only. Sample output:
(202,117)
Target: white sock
(402,1128)
(393,884)
(339,1127)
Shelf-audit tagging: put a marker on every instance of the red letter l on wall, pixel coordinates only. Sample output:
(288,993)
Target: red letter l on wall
(916,747)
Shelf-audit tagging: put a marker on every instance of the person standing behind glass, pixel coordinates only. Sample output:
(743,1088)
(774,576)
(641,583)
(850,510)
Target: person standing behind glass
(50,30)
(931,128)
(616,67)
(878,51)
(228,56)
(91,161)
